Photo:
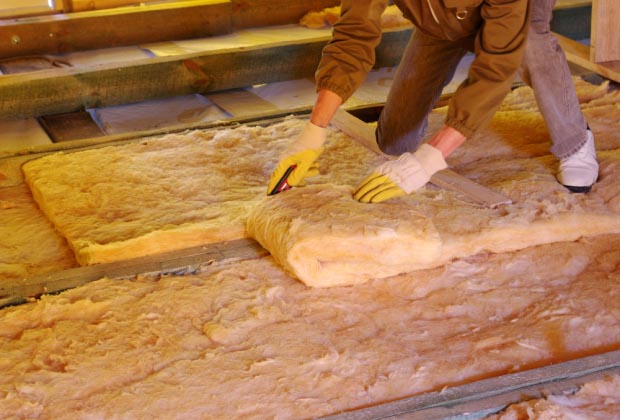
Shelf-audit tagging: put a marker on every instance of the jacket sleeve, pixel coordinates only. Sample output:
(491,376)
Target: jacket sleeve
(350,55)
(498,49)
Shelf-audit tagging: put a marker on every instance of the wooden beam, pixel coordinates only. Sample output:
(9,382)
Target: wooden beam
(23,11)
(481,398)
(579,54)
(175,262)
(155,22)
(247,13)
(112,28)
(143,23)
(446,179)
(569,4)
(254,13)
(605,41)
(7,166)
(83,5)
(69,90)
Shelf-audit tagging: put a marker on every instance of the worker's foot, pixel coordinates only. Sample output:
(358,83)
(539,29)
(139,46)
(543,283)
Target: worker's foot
(579,171)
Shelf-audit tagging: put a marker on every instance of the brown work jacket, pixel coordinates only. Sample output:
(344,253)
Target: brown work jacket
(495,30)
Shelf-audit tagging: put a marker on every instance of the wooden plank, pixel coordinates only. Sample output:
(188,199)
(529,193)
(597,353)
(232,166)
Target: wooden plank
(254,13)
(579,54)
(82,5)
(452,181)
(569,4)
(156,22)
(446,179)
(247,13)
(25,10)
(73,126)
(113,28)
(30,63)
(21,134)
(145,22)
(69,90)
(37,151)
(175,262)
(605,41)
(241,103)
(478,399)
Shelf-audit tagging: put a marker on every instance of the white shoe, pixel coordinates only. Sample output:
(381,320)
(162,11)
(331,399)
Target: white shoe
(579,171)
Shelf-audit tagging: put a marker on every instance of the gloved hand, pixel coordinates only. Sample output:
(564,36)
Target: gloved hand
(402,176)
(302,154)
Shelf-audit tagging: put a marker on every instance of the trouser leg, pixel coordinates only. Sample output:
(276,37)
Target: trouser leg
(546,70)
(426,68)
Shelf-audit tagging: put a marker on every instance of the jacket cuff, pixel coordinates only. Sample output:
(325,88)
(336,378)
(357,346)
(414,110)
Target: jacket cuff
(460,127)
(344,93)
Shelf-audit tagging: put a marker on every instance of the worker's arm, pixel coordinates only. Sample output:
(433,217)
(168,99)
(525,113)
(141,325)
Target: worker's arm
(326,105)
(345,62)
(302,153)
(447,140)
(350,54)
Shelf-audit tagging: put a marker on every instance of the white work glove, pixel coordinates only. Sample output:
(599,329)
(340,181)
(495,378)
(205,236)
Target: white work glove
(402,176)
(301,155)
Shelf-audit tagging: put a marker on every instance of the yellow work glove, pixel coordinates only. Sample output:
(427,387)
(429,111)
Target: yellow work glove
(402,176)
(301,155)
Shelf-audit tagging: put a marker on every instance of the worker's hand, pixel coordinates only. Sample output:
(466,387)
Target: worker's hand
(302,154)
(402,176)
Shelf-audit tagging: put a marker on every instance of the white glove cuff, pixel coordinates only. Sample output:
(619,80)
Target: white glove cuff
(311,138)
(412,171)
(430,158)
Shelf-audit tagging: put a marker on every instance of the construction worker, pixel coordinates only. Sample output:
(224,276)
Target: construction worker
(497,32)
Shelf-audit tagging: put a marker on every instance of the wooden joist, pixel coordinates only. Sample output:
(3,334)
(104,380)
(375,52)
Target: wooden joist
(83,5)
(579,54)
(255,13)
(603,54)
(69,90)
(12,170)
(92,24)
(247,13)
(144,23)
(116,27)
(21,10)
(478,399)
(605,42)
(174,262)
(74,89)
